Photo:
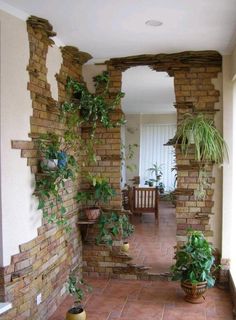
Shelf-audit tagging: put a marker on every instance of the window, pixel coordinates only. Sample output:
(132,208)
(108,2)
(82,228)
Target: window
(152,150)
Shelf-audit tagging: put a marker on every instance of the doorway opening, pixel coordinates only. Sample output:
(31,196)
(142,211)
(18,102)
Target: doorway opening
(151,122)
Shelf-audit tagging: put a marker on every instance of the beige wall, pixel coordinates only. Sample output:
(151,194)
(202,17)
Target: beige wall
(89,71)
(19,216)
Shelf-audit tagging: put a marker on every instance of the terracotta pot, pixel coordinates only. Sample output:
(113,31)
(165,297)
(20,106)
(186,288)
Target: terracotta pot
(194,292)
(125,246)
(92,213)
(76,313)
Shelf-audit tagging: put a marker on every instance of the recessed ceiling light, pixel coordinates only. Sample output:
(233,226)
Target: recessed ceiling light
(154,23)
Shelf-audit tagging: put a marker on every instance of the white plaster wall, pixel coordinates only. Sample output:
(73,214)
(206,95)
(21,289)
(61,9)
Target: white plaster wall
(216,218)
(53,63)
(132,136)
(20,219)
(227,225)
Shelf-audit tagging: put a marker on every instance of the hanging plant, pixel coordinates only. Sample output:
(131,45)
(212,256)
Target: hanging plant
(51,184)
(91,108)
(201,132)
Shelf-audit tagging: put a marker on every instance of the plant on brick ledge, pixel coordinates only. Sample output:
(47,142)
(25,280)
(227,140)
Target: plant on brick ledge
(99,192)
(51,184)
(201,132)
(194,266)
(77,288)
(113,226)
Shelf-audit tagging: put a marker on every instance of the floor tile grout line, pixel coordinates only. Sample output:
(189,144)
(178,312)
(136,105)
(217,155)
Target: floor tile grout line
(163,311)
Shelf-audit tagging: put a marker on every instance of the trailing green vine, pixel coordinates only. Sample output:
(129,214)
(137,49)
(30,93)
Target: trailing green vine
(80,107)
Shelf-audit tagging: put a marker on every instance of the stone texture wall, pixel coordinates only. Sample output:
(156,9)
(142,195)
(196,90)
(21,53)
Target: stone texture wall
(108,146)
(43,264)
(195,93)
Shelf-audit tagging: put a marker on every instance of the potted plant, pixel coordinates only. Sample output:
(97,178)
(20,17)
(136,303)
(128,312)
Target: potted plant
(157,171)
(201,132)
(113,226)
(194,266)
(161,187)
(100,192)
(77,288)
(49,147)
(50,185)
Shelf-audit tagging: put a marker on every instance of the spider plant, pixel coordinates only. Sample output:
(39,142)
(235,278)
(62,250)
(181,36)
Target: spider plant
(208,141)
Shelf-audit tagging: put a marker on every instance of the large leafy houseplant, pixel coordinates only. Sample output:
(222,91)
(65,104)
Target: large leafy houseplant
(201,132)
(194,262)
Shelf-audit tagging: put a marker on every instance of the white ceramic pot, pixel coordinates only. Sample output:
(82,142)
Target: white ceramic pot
(49,164)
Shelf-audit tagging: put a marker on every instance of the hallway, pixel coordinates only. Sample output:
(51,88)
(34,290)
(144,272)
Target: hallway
(152,245)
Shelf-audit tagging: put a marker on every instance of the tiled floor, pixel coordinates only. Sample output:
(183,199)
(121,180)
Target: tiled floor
(140,300)
(153,244)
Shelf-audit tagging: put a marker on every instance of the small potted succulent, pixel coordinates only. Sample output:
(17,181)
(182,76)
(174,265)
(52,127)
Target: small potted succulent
(161,187)
(77,288)
(194,266)
(100,192)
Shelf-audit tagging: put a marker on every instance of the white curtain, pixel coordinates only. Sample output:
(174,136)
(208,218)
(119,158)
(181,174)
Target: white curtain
(152,151)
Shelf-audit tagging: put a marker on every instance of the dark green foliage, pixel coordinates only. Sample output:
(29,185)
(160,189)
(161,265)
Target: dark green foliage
(93,108)
(194,260)
(77,288)
(113,226)
(51,185)
(100,191)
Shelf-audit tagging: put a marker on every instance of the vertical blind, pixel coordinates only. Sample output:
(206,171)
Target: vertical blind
(152,150)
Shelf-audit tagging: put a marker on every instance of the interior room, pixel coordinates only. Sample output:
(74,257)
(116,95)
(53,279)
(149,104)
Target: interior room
(117,170)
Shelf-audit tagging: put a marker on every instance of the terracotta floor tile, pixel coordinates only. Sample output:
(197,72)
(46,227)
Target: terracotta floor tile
(180,315)
(102,304)
(143,310)
(116,299)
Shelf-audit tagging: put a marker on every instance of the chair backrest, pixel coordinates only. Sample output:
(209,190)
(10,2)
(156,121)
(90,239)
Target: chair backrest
(145,200)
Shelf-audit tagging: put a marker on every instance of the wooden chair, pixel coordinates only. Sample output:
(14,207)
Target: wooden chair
(145,200)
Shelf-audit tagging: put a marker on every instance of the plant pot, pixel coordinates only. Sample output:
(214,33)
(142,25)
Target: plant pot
(62,159)
(194,292)
(92,213)
(49,164)
(76,313)
(125,246)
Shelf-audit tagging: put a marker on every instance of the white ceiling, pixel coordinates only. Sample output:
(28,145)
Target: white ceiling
(116,28)
(147,91)
(113,28)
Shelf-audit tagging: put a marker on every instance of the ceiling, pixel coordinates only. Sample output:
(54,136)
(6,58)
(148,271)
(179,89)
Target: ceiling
(147,91)
(112,28)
